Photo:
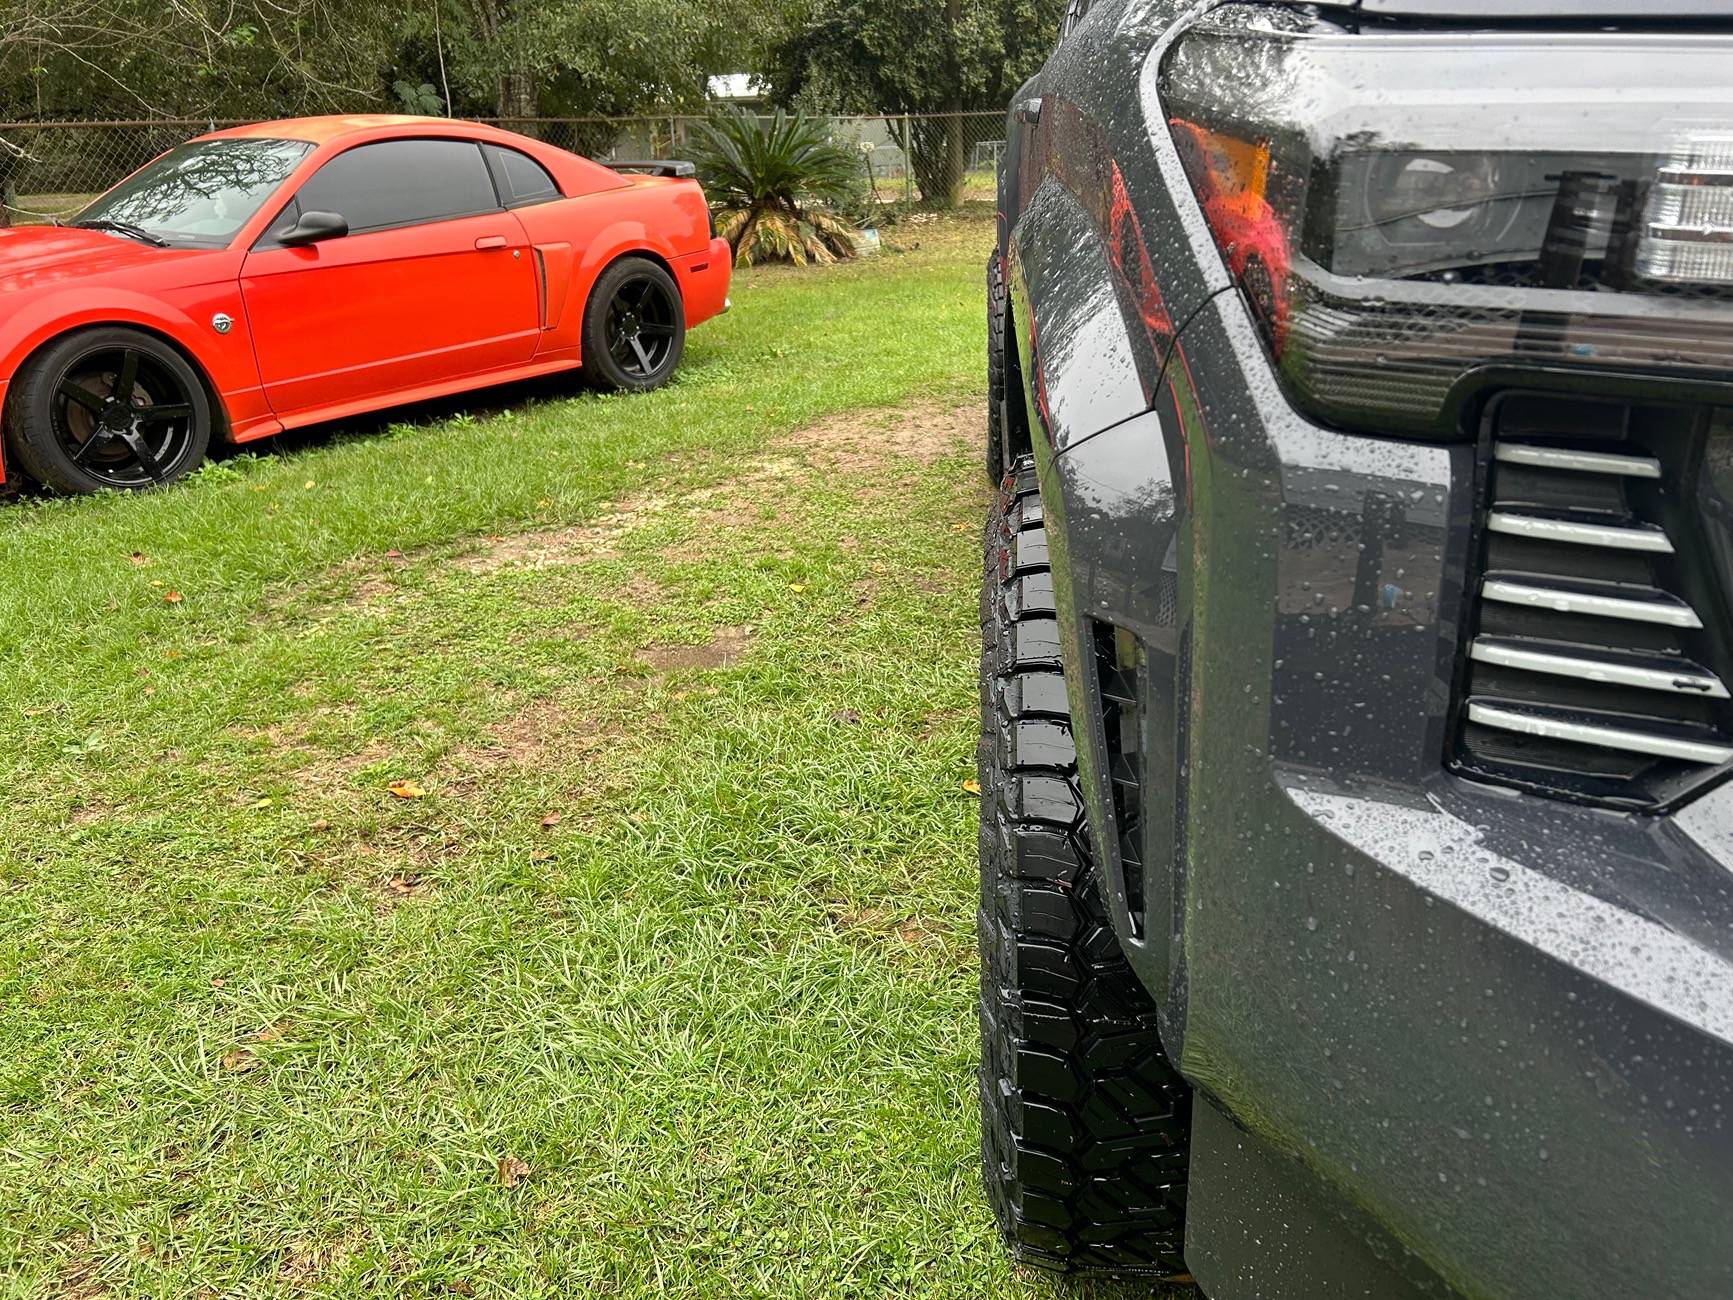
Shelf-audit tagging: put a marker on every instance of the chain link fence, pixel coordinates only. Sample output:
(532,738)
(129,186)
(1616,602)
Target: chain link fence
(50,170)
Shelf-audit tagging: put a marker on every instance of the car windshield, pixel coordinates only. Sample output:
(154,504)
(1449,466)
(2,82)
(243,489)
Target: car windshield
(199,194)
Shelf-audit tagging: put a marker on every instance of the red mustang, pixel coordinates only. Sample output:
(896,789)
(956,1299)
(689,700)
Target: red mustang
(278,275)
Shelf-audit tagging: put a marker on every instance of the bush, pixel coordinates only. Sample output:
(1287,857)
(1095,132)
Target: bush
(777,184)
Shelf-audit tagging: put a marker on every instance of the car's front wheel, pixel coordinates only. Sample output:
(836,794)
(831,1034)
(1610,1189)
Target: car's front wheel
(1085,1125)
(107,408)
(634,326)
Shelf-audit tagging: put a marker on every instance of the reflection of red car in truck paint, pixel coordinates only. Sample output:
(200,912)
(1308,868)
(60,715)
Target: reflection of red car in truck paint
(281,274)
(1250,234)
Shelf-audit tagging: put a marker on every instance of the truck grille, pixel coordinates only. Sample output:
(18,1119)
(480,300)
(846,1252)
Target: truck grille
(1598,657)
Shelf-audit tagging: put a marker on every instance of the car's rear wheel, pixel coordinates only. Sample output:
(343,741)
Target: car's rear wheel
(634,326)
(106,409)
(1085,1125)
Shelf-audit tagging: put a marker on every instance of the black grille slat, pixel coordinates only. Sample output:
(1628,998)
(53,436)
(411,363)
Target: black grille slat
(1619,695)
(1526,555)
(1600,498)
(1578,630)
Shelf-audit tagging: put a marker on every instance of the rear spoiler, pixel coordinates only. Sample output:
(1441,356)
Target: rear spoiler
(653,167)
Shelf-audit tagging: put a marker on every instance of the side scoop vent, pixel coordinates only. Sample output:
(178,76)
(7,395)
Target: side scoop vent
(1598,661)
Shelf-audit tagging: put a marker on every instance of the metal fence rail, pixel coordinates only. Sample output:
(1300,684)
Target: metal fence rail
(51,169)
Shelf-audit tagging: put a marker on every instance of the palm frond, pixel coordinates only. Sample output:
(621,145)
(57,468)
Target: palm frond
(771,179)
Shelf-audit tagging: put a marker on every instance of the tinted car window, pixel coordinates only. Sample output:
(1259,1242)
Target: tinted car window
(200,193)
(401,182)
(522,179)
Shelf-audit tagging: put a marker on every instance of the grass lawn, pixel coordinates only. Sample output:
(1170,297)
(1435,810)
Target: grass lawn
(664,984)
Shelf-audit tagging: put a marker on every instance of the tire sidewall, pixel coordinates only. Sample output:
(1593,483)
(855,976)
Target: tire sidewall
(29,414)
(599,363)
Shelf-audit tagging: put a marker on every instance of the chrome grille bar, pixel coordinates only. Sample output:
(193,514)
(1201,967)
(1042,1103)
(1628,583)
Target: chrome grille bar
(1584,733)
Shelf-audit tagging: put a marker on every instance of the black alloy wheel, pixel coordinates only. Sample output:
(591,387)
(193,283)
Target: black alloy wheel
(641,326)
(108,409)
(634,326)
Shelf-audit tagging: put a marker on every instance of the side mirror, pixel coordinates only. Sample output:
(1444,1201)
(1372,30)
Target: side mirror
(313,227)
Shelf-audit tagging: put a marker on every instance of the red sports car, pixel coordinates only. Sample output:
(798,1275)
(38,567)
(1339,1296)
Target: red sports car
(282,274)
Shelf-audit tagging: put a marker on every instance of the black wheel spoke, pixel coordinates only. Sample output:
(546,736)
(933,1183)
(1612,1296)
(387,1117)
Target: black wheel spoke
(643,356)
(618,345)
(82,396)
(167,411)
(89,445)
(656,331)
(128,380)
(146,459)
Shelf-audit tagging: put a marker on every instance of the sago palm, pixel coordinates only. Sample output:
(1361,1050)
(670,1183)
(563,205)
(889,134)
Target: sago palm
(773,181)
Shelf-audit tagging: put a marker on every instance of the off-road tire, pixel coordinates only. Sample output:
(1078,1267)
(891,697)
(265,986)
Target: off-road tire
(996,300)
(1084,1123)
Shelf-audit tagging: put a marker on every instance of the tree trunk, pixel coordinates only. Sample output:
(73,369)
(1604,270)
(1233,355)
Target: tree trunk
(938,159)
(952,175)
(517,93)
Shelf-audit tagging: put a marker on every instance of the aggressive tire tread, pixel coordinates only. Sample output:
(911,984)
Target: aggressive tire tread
(1085,1124)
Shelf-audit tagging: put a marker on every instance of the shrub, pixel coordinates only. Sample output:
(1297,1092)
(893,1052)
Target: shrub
(776,183)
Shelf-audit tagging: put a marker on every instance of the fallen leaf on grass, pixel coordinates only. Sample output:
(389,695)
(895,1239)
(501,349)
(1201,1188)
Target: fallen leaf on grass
(173,597)
(309,485)
(406,789)
(552,819)
(240,1061)
(845,715)
(972,786)
(797,586)
(263,801)
(512,1171)
(321,825)
(140,559)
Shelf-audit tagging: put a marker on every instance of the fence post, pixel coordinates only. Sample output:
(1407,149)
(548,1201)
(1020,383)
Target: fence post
(908,163)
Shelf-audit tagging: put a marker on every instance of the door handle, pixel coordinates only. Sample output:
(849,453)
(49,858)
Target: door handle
(1030,110)
(491,241)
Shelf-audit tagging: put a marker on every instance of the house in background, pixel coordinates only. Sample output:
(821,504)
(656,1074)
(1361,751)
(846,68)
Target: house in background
(741,89)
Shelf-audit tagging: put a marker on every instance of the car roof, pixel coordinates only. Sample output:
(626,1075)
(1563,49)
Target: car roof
(323,130)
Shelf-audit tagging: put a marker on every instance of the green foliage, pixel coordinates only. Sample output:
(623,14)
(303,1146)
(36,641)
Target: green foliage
(916,56)
(271,58)
(776,182)
(422,99)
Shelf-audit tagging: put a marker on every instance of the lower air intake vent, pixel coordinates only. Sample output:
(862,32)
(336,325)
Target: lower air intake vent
(1598,663)
(1118,660)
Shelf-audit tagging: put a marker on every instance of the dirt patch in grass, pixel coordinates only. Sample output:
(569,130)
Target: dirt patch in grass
(864,440)
(723,650)
(911,931)
(305,1264)
(397,888)
(866,446)
(569,545)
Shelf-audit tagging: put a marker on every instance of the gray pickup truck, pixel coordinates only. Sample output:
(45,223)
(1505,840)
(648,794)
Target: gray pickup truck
(1356,839)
